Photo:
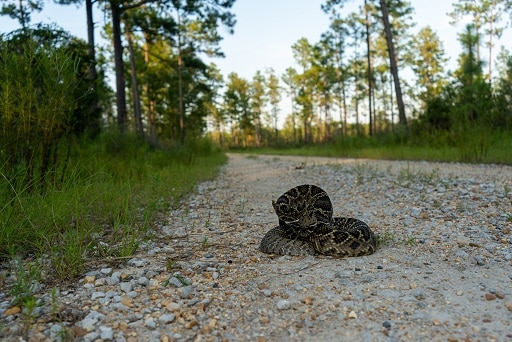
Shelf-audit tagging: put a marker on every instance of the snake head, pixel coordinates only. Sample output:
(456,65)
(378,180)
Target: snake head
(302,208)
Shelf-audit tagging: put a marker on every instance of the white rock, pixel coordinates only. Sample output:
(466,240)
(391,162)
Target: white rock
(126,286)
(284,304)
(150,323)
(98,294)
(106,333)
(107,270)
(91,319)
(166,318)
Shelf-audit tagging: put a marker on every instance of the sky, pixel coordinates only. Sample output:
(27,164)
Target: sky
(266,30)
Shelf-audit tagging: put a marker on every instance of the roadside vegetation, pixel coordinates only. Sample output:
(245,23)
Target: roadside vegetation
(496,150)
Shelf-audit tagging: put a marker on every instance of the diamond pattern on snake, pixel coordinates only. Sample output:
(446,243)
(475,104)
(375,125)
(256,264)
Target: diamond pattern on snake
(307,227)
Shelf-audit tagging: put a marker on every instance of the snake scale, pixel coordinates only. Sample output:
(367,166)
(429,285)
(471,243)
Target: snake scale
(307,227)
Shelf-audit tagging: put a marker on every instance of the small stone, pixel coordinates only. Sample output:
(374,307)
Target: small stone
(150,323)
(175,282)
(106,333)
(12,311)
(386,324)
(500,294)
(91,319)
(143,281)
(460,293)
(166,318)
(284,304)
(92,336)
(126,286)
(308,300)
(186,292)
(419,294)
(479,260)
(89,279)
(191,324)
(508,305)
(137,262)
(352,315)
(212,323)
(264,320)
(490,296)
(96,295)
(173,307)
(107,270)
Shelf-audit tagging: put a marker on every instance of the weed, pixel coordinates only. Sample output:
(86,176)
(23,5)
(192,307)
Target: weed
(242,205)
(170,264)
(205,244)
(410,241)
(181,279)
(406,176)
(26,277)
(365,172)
(30,305)
(385,239)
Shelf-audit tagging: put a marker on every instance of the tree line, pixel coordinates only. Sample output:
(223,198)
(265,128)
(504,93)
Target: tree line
(349,83)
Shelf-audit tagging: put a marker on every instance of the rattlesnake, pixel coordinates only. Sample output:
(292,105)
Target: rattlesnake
(306,227)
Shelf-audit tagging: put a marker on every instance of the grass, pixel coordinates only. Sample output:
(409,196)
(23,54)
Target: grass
(496,150)
(113,193)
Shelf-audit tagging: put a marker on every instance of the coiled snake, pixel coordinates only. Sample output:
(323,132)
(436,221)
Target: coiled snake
(307,227)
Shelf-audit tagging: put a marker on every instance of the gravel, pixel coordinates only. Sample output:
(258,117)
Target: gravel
(443,270)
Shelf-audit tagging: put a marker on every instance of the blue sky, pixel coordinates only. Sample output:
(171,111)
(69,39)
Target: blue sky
(266,30)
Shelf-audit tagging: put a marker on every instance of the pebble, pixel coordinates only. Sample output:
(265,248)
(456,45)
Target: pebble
(150,323)
(173,307)
(490,296)
(91,319)
(126,286)
(352,315)
(284,304)
(106,333)
(143,281)
(98,294)
(166,318)
(106,270)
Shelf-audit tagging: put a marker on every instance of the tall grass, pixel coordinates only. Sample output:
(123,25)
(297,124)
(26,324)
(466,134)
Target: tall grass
(476,147)
(112,193)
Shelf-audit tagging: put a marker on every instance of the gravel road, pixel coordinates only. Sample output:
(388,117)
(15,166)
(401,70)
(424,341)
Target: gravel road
(442,272)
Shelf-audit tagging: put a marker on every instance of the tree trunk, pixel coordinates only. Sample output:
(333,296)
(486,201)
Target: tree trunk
(119,66)
(91,72)
(393,64)
(369,64)
(137,113)
(180,85)
(151,124)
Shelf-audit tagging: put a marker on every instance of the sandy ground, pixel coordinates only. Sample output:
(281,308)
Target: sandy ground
(443,271)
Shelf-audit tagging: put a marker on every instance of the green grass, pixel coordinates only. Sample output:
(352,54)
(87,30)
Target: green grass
(114,191)
(496,150)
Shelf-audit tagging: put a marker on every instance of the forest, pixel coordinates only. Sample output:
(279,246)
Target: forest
(101,138)
(345,85)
